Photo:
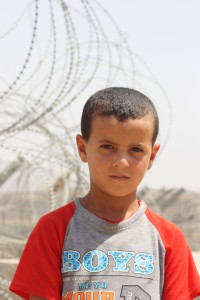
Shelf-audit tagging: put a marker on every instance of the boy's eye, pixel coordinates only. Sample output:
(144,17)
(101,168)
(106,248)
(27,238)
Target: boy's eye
(136,149)
(107,146)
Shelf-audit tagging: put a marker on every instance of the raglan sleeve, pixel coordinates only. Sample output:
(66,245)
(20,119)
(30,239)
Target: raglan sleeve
(181,279)
(38,272)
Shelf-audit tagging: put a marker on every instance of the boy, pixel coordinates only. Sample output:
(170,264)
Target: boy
(108,245)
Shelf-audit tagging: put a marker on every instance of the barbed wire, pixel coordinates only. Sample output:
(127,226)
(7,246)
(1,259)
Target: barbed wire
(71,54)
(73,49)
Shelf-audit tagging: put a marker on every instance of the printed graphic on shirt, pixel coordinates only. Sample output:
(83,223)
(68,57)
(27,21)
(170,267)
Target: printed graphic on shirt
(128,292)
(97,263)
(72,261)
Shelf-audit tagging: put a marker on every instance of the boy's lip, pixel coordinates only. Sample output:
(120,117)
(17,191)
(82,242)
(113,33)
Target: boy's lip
(119,177)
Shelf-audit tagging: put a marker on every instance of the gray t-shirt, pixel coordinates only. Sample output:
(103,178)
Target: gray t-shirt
(102,260)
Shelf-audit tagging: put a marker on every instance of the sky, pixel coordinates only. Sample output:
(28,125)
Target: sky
(164,35)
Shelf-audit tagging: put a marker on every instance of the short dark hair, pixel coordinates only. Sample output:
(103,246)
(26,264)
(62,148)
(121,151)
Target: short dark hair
(122,103)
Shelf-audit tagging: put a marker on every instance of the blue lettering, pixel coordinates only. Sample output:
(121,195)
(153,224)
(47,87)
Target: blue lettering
(81,286)
(96,285)
(70,261)
(92,285)
(121,258)
(143,263)
(104,285)
(95,261)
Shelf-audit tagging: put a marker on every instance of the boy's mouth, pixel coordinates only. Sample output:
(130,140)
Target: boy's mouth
(119,177)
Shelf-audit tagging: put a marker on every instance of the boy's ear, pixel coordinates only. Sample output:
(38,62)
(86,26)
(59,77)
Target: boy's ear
(81,146)
(154,152)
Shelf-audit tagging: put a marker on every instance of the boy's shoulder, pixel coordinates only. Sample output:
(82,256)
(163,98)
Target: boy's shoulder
(54,223)
(169,232)
(63,213)
(159,221)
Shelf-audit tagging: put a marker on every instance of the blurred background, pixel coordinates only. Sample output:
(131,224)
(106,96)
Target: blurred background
(54,55)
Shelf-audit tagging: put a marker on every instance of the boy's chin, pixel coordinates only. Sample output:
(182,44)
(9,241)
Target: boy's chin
(119,195)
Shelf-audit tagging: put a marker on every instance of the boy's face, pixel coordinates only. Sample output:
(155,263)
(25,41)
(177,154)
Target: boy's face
(118,154)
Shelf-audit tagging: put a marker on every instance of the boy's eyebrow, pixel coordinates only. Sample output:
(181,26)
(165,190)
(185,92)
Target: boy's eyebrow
(110,141)
(106,141)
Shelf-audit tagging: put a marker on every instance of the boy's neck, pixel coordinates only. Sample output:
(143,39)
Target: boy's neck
(111,208)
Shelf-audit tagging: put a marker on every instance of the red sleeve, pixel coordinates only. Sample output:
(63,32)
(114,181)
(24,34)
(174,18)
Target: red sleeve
(38,272)
(181,279)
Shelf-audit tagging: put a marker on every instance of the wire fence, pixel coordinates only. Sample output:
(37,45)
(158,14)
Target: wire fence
(54,55)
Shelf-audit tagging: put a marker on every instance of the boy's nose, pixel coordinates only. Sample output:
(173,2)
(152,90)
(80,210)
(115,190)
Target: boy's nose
(121,162)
